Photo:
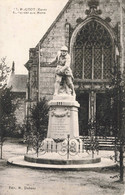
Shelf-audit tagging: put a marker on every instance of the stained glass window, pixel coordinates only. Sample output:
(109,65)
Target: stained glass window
(88,63)
(93,52)
(97,64)
(79,61)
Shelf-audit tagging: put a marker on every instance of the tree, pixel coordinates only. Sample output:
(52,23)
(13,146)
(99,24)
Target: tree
(7,107)
(4,72)
(36,126)
(117,85)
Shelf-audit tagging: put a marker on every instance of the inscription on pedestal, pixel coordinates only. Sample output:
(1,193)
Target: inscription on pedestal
(60,127)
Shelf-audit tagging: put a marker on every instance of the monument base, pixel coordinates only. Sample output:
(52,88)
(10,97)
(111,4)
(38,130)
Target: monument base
(56,159)
(104,163)
(63,117)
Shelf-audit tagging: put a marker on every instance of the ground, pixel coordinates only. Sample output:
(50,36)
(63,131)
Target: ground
(17,181)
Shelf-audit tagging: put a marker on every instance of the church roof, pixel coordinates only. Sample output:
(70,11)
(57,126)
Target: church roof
(17,82)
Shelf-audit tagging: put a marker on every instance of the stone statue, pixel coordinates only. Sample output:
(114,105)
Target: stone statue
(63,73)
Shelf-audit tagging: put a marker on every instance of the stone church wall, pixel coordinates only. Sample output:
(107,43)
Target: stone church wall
(55,37)
(20,110)
(47,78)
(76,9)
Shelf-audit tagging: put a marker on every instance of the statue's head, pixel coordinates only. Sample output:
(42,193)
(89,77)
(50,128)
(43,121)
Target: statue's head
(64,50)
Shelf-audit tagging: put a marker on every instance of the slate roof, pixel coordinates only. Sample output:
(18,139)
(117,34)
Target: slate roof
(18,82)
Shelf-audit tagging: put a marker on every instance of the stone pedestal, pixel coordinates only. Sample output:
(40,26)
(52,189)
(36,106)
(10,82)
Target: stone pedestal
(63,145)
(63,117)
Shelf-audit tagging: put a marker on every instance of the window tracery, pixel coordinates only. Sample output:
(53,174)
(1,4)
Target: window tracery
(93,52)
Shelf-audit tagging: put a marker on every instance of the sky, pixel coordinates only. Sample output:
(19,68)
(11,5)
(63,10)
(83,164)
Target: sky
(22,25)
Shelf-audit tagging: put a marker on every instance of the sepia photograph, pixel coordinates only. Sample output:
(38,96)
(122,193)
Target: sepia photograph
(62,97)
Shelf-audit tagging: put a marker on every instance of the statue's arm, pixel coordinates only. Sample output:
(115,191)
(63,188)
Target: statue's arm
(54,61)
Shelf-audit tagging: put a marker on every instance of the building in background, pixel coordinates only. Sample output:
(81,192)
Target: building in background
(18,83)
(94,32)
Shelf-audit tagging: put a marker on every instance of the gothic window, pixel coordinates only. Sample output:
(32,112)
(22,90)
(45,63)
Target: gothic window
(93,52)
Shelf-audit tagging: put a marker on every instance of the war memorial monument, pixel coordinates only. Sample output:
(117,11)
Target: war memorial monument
(63,148)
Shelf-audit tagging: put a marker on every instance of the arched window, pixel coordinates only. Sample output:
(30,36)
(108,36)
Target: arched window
(93,52)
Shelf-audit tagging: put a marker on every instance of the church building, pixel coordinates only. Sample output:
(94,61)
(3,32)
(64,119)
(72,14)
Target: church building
(94,32)
(17,83)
